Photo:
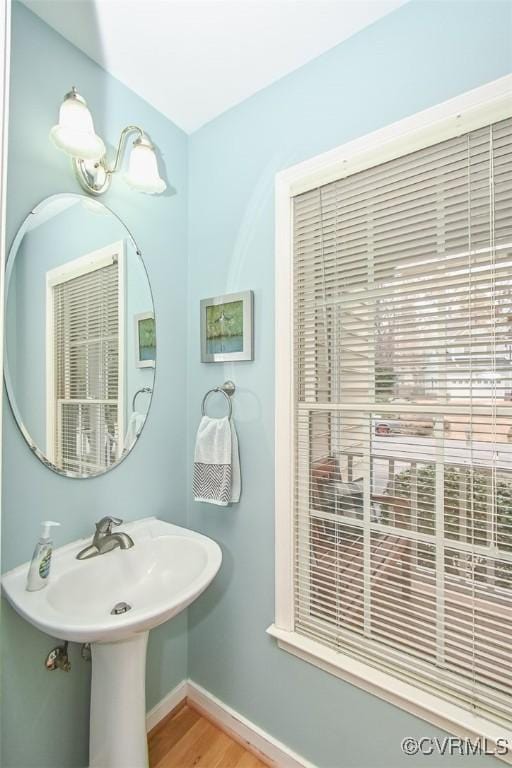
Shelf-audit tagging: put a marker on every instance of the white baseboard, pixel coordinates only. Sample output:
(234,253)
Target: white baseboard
(166,705)
(233,723)
(243,730)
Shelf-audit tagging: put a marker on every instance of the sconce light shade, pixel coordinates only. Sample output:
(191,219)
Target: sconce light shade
(75,132)
(143,173)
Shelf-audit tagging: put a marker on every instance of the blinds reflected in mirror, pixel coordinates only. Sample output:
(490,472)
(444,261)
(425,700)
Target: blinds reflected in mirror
(403,420)
(87,370)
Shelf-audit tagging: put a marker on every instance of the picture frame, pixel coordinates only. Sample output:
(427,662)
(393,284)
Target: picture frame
(145,340)
(227,328)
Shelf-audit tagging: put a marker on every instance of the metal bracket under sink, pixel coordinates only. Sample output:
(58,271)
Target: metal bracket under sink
(58,658)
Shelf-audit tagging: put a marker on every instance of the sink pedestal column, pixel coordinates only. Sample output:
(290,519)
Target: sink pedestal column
(118,704)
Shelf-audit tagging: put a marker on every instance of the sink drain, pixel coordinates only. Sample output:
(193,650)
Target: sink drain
(120,608)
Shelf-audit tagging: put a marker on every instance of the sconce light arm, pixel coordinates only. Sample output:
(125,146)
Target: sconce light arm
(122,141)
(95,176)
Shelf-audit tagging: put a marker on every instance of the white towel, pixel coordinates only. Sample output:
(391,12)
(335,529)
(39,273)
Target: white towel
(135,424)
(216,462)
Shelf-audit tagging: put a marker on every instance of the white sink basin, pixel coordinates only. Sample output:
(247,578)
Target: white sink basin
(161,575)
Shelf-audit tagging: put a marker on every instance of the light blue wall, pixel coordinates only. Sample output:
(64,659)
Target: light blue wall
(45,719)
(418,56)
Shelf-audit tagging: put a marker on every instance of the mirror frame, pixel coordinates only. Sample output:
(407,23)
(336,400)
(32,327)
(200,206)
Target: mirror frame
(38,452)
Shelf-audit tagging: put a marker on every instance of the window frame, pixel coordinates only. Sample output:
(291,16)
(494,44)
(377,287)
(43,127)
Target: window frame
(467,112)
(78,267)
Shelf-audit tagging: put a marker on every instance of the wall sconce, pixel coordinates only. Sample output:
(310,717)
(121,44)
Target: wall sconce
(75,135)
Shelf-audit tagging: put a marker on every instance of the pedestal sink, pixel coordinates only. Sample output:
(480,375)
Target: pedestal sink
(161,575)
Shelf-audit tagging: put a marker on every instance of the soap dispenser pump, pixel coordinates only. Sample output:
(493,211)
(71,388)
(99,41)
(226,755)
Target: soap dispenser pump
(41,559)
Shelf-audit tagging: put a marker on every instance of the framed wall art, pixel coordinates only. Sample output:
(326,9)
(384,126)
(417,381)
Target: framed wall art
(227,328)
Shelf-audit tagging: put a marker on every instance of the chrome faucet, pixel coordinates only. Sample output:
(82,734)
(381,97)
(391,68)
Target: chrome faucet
(104,540)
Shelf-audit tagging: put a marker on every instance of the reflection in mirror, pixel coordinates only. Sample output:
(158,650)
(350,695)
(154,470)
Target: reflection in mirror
(80,336)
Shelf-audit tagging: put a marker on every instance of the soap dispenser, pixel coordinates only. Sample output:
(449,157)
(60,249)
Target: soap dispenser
(41,559)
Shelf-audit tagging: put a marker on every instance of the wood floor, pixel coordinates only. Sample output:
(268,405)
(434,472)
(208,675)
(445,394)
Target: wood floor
(186,739)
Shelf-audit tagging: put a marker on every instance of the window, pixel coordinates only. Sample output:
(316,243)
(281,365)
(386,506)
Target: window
(395,518)
(84,331)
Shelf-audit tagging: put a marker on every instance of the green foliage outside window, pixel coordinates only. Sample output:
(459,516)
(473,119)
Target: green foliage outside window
(471,500)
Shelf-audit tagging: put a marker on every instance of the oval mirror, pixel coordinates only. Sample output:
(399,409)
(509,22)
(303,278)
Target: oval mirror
(80,341)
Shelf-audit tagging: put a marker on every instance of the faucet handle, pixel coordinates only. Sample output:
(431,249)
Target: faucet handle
(105,524)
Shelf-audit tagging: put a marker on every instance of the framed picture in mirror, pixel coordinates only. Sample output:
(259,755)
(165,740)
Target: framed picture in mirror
(145,340)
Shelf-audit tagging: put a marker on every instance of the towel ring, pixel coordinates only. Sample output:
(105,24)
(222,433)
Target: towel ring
(227,389)
(140,391)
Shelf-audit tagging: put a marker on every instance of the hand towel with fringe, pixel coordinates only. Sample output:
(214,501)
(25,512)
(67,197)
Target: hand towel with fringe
(216,462)
(135,424)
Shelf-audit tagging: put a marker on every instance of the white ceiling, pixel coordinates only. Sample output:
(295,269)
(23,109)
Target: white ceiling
(193,59)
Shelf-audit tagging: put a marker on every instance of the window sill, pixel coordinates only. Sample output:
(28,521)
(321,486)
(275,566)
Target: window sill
(439,712)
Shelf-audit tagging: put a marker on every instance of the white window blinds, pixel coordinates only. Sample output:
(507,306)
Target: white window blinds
(403,417)
(86,368)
